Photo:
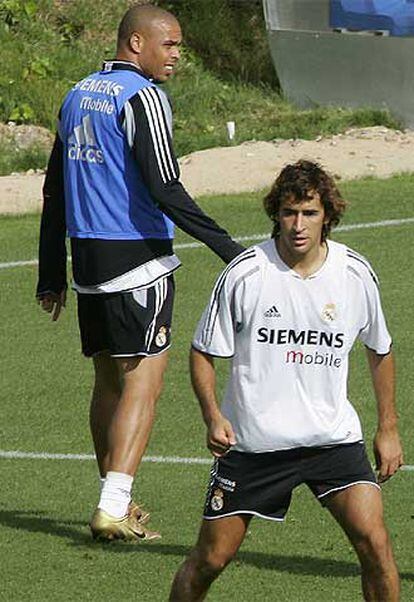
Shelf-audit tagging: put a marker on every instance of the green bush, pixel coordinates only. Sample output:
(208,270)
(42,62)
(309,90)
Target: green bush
(13,158)
(229,38)
(14,12)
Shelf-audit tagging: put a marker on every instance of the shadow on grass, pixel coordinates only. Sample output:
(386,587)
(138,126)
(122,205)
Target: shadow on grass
(79,536)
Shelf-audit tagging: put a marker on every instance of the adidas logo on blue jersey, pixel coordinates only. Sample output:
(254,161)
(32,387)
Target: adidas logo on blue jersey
(272,312)
(82,145)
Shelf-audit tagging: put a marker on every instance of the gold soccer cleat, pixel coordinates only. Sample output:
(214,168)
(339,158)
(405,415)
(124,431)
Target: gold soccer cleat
(139,512)
(107,528)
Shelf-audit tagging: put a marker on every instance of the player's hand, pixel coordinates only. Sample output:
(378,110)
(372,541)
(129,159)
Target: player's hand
(52,303)
(220,436)
(388,453)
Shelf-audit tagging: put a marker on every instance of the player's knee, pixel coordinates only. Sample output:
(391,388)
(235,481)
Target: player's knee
(374,548)
(211,562)
(152,392)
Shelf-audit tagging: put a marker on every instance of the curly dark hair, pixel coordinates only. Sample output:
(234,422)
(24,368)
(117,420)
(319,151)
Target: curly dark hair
(300,181)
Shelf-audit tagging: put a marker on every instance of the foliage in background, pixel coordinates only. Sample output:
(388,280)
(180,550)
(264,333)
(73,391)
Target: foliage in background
(44,51)
(226,73)
(229,37)
(12,12)
(15,159)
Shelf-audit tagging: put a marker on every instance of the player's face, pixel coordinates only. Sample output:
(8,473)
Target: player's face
(301,224)
(159,49)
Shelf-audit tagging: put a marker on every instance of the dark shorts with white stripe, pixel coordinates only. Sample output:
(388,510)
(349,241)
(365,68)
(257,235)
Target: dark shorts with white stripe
(262,484)
(127,324)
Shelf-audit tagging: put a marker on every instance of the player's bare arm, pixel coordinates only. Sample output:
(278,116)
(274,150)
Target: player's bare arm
(220,434)
(387,445)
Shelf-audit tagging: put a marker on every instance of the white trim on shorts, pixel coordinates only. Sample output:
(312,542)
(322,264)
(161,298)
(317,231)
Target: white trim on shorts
(252,512)
(143,353)
(319,497)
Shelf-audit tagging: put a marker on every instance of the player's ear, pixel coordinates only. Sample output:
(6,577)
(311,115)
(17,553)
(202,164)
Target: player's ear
(136,42)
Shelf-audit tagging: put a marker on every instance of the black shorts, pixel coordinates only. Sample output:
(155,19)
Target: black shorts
(127,324)
(262,484)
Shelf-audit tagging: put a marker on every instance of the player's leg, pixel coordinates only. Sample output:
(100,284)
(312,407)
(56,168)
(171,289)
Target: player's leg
(133,417)
(342,479)
(93,318)
(217,544)
(129,428)
(140,331)
(122,409)
(105,398)
(242,485)
(134,330)
(127,334)
(359,511)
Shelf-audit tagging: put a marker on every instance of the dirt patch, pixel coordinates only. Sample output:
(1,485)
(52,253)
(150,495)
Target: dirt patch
(250,166)
(375,151)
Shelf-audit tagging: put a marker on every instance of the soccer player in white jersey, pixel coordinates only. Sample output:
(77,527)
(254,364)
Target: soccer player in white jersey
(287,312)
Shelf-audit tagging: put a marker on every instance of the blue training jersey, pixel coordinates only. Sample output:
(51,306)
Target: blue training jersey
(105,194)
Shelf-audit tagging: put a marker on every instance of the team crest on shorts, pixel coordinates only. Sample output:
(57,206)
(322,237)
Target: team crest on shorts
(329,312)
(217,501)
(161,338)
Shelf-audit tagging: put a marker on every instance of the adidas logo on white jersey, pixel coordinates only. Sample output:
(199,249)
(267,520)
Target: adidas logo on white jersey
(272,312)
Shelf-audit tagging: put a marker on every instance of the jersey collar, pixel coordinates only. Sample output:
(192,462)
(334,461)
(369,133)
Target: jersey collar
(294,273)
(117,65)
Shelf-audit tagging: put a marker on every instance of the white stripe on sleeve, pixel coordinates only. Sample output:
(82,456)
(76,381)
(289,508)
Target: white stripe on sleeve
(158,129)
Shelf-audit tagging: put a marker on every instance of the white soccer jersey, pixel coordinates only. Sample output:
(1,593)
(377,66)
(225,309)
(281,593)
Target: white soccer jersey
(289,339)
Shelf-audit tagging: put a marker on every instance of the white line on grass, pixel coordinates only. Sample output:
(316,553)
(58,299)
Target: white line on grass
(17,264)
(19,455)
(196,245)
(345,228)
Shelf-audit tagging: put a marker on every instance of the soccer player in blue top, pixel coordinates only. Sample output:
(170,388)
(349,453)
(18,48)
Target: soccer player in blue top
(113,185)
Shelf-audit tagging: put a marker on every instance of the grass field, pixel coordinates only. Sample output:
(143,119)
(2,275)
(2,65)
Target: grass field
(45,549)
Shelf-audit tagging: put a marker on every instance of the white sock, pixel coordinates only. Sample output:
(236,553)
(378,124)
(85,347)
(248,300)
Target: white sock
(116,494)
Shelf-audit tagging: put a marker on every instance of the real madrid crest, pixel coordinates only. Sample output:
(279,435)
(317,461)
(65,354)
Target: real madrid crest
(329,312)
(161,338)
(217,501)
